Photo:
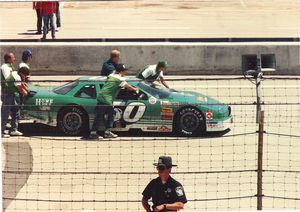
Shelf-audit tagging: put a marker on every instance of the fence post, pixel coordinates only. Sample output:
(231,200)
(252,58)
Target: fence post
(258,80)
(260,160)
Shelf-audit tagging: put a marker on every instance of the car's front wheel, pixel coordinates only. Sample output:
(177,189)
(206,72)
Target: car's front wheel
(73,121)
(189,121)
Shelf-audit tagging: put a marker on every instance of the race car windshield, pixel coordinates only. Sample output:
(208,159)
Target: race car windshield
(155,90)
(64,89)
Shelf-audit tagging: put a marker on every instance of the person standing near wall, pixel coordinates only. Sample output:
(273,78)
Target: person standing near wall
(10,86)
(57,14)
(48,11)
(37,6)
(109,66)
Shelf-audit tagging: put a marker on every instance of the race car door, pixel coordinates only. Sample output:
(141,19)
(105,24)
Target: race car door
(136,111)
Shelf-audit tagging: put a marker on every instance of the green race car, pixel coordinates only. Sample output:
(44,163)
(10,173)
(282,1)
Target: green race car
(156,109)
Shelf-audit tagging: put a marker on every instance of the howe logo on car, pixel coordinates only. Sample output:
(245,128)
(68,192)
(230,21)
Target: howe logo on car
(44,102)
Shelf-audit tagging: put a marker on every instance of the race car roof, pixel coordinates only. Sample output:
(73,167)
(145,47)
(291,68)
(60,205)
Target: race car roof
(103,78)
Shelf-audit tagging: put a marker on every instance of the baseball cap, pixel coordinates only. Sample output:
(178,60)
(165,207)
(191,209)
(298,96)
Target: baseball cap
(163,64)
(120,67)
(164,161)
(26,53)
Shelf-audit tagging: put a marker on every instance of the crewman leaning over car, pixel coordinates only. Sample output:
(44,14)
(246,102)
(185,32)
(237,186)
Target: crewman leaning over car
(105,98)
(11,86)
(152,73)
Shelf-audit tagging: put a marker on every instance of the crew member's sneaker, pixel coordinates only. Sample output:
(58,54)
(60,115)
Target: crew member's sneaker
(16,133)
(5,135)
(109,134)
(94,136)
(8,125)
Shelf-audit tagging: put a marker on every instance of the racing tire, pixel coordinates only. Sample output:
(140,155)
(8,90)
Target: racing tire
(189,121)
(73,121)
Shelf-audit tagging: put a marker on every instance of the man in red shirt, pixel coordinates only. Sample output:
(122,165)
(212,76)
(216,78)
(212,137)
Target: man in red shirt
(48,10)
(37,6)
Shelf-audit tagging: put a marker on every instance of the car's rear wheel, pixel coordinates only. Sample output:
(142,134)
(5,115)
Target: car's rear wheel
(189,121)
(73,120)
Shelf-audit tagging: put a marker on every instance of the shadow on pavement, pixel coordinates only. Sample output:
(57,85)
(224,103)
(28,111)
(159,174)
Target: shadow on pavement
(18,163)
(36,129)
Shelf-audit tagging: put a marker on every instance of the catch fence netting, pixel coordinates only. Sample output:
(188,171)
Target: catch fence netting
(46,170)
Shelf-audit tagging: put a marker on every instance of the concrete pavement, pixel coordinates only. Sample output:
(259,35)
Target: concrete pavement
(70,174)
(160,19)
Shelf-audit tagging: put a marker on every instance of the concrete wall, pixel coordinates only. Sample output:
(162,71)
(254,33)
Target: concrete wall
(184,58)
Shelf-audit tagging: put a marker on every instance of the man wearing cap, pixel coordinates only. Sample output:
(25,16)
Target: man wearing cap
(151,73)
(24,66)
(24,73)
(109,66)
(105,98)
(167,194)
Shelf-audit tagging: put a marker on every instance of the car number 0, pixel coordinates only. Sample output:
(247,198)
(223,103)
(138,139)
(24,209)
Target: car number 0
(134,112)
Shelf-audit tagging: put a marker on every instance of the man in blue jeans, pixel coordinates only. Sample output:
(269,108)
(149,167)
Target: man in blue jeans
(48,11)
(105,98)
(10,86)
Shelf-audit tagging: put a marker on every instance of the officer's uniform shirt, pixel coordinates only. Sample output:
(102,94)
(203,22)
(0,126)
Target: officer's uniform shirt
(164,193)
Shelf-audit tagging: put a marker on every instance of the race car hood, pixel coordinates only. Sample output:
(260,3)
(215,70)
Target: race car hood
(192,97)
(197,99)
(41,88)
(41,91)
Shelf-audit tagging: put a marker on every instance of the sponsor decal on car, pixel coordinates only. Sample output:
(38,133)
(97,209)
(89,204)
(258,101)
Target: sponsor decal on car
(45,108)
(152,100)
(166,116)
(167,110)
(152,128)
(164,128)
(212,125)
(167,103)
(209,115)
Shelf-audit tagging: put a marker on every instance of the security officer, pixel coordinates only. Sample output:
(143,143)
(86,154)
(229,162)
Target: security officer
(167,194)
(151,73)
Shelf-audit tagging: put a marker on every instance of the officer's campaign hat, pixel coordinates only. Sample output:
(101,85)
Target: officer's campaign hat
(164,161)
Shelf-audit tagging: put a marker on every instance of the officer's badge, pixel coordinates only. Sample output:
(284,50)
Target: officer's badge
(169,190)
(179,191)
